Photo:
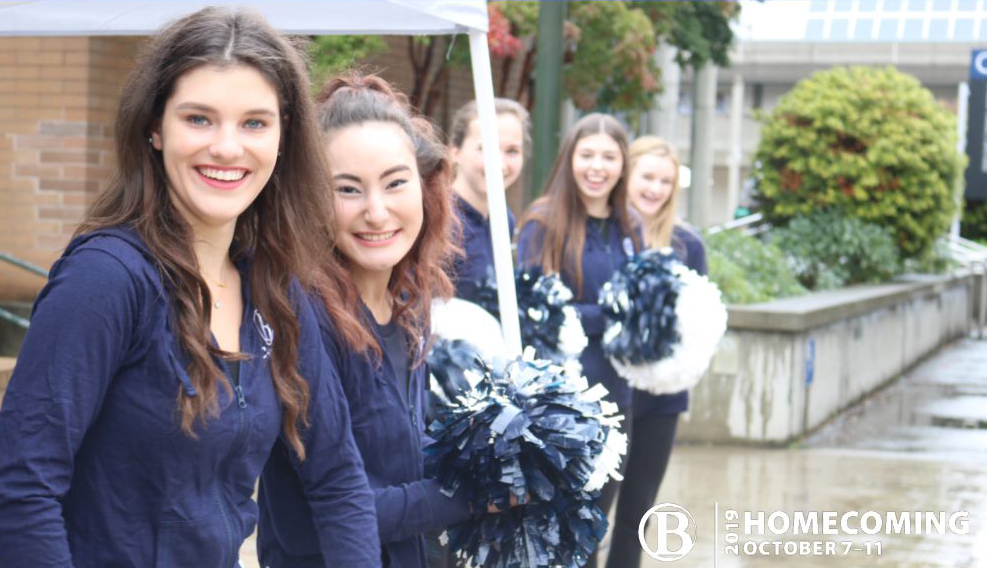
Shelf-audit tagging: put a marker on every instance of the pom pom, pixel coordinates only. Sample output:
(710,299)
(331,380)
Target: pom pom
(665,323)
(532,435)
(548,321)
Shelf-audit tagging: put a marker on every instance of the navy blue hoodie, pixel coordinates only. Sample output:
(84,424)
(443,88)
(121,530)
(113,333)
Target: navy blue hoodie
(605,250)
(688,247)
(477,264)
(94,469)
(389,431)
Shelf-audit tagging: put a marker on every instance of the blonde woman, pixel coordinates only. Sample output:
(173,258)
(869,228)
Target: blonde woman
(653,188)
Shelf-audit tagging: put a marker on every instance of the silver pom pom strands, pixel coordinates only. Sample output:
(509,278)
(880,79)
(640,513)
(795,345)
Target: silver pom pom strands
(665,322)
(549,322)
(537,436)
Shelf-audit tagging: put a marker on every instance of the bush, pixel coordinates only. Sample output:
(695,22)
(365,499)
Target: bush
(973,226)
(870,143)
(748,270)
(829,250)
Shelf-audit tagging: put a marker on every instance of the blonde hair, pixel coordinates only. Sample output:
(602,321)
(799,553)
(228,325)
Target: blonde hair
(657,229)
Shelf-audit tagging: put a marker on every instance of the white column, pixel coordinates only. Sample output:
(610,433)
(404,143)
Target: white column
(736,156)
(662,117)
(701,147)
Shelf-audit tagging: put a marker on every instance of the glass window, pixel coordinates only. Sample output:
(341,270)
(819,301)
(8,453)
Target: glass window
(868,5)
(839,29)
(892,5)
(966,5)
(843,5)
(814,29)
(864,29)
(917,5)
(939,29)
(888,30)
(819,5)
(942,5)
(983,29)
(913,30)
(964,30)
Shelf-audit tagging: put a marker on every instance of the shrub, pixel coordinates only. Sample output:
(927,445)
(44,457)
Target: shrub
(830,250)
(974,223)
(870,143)
(748,270)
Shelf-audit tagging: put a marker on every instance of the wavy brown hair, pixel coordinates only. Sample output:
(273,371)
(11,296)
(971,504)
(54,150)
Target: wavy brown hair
(423,274)
(281,231)
(561,211)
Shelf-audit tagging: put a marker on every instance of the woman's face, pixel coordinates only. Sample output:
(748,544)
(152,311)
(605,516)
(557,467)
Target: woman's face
(378,198)
(597,163)
(651,183)
(469,157)
(219,138)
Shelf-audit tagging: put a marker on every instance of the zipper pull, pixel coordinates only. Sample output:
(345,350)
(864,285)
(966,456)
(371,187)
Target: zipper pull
(241,401)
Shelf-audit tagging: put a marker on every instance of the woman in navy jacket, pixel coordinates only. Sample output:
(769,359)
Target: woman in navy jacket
(172,346)
(653,186)
(582,229)
(470,185)
(394,229)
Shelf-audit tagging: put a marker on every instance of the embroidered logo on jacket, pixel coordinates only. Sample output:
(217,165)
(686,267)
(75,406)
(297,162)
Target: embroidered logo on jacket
(266,334)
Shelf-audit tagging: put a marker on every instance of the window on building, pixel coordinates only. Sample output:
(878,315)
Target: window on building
(913,30)
(942,5)
(814,29)
(844,6)
(963,30)
(839,29)
(864,29)
(819,6)
(939,29)
(888,30)
(758,97)
(983,29)
(867,5)
(966,5)
(917,5)
(892,5)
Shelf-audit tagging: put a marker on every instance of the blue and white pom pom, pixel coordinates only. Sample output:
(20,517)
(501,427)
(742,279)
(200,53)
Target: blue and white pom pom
(549,322)
(540,436)
(665,321)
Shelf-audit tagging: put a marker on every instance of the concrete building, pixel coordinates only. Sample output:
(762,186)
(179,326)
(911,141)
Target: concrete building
(780,42)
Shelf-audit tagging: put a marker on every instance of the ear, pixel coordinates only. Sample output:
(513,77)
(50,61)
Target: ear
(156,138)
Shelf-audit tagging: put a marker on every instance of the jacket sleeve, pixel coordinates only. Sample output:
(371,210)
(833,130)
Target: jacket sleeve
(529,243)
(415,508)
(332,474)
(81,329)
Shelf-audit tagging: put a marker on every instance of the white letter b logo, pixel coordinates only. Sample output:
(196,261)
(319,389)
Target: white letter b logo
(670,519)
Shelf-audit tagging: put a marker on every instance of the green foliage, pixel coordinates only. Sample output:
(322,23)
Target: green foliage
(522,14)
(936,260)
(870,143)
(829,250)
(748,270)
(973,225)
(611,67)
(332,54)
(699,30)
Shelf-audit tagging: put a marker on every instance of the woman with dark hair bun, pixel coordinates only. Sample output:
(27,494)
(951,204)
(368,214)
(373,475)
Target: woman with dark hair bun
(173,344)
(394,233)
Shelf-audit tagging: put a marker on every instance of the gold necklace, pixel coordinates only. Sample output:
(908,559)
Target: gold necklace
(220,284)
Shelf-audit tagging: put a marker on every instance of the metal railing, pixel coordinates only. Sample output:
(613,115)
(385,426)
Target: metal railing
(24,265)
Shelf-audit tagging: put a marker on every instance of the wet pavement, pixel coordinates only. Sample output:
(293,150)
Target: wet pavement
(920,444)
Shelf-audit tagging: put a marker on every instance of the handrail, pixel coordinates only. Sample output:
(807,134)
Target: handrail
(33,269)
(14,318)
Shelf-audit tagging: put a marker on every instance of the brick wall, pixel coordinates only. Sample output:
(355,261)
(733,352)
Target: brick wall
(57,101)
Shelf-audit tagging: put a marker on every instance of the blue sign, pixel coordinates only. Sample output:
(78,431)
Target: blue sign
(978,64)
(810,361)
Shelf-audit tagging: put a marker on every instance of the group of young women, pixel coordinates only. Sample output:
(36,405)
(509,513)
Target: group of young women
(249,299)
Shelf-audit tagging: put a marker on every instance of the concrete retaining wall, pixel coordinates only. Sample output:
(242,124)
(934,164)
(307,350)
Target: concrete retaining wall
(785,367)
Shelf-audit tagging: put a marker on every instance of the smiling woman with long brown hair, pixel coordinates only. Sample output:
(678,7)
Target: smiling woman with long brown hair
(173,343)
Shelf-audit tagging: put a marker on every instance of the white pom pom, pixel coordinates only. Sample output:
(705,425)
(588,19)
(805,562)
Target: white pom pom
(459,319)
(701,320)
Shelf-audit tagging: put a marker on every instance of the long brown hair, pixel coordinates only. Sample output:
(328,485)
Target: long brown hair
(281,230)
(561,212)
(353,99)
(658,230)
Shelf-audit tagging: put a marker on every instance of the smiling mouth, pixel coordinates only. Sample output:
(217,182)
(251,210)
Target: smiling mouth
(376,237)
(222,175)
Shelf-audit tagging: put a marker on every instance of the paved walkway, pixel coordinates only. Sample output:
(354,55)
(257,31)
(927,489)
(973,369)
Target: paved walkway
(918,445)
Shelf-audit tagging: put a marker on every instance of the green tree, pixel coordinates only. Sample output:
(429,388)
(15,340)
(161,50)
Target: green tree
(866,142)
(332,54)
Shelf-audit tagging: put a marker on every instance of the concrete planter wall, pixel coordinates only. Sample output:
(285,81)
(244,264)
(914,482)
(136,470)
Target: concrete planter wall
(785,367)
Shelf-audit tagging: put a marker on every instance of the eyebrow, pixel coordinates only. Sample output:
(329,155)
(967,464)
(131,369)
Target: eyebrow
(207,108)
(394,170)
(347,177)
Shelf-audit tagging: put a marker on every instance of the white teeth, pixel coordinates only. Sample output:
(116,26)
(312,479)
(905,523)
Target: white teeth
(222,175)
(376,236)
